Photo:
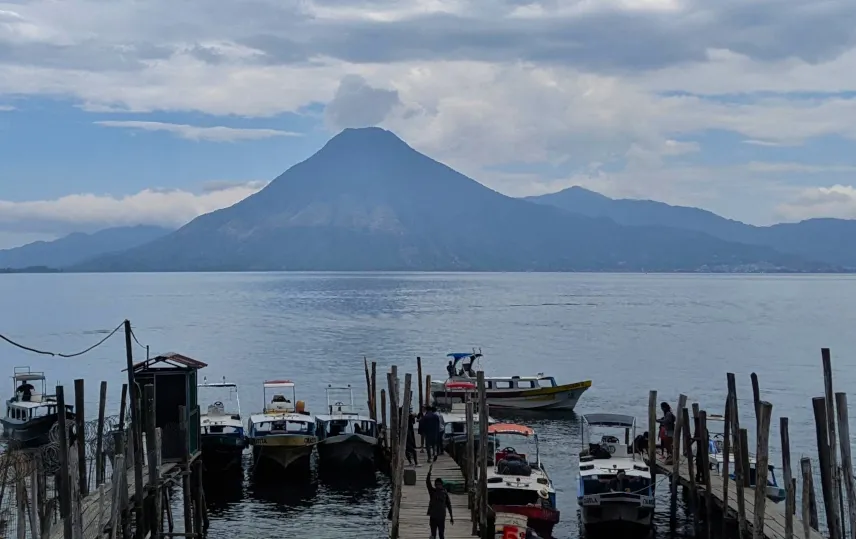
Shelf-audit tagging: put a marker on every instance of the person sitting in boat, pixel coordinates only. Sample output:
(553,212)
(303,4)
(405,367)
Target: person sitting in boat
(450,369)
(640,443)
(619,483)
(26,390)
(280,398)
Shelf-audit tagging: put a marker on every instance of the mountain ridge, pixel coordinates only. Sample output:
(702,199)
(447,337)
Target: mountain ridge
(368,201)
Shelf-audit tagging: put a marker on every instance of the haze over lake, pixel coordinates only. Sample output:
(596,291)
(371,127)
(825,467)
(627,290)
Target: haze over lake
(627,333)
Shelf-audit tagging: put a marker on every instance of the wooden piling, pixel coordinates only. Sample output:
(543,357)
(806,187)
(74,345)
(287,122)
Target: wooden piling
(136,428)
(652,436)
(787,476)
(185,470)
(80,428)
(368,385)
(20,501)
(846,458)
(762,460)
(419,378)
(726,458)
(64,474)
(756,397)
(398,479)
(149,403)
(34,500)
(809,499)
(373,390)
(383,416)
(393,419)
(123,402)
(744,458)
(427,390)
(483,456)
(688,450)
(676,457)
(704,445)
(826,360)
(737,442)
(99,440)
(827,488)
(468,456)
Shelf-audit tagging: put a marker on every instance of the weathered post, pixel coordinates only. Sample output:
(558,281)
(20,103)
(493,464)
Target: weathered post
(99,440)
(398,479)
(704,447)
(827,487)
(373,411)
(652,436)
(726,457)
(762,460)
(786,474)
(846,458)
(136,429)
(676,457)
(809,500)
(427,390)
(383,417)
(737,442)
(420,379)
(80,428)
(756,397)
(688,450)
(483,446)
(826,360)
(369,395)
(64,473)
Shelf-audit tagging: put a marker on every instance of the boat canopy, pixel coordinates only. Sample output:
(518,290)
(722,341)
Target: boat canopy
(278,383)
(610,420)
(510,428)
(457,356)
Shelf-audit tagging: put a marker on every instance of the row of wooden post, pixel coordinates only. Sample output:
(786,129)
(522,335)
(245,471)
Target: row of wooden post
(395,439)
(830,411)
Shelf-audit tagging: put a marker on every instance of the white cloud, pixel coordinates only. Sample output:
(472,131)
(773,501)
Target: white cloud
(800,168)
(192,132)
(836,201)
(169,207)
(6,108)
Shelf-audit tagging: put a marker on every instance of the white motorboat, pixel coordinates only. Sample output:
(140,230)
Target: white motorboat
(346,439)
(221,428)
(454,424)
(716,450)
(518,481)
(31,412)
(284,433)
(606,500)
(537,392)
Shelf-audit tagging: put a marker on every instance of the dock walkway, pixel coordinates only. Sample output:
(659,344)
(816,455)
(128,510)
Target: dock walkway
(774,513)
(413,521)
(96,506)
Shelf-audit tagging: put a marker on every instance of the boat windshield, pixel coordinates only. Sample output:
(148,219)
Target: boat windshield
(222,398)
(602,436)
(285,427)
(337,427)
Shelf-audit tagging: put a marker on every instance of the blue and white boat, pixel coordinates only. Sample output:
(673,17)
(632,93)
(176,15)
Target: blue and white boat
(717,458)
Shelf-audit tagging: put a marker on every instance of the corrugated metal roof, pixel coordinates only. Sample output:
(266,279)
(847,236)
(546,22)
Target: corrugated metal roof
(174,360)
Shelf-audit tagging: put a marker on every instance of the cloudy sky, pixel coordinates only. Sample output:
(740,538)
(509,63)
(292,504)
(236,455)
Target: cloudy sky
(127,111)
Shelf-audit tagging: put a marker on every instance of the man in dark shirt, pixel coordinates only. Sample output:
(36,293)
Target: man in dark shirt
(438,503)
(26,390)
(618,483)
(429,427)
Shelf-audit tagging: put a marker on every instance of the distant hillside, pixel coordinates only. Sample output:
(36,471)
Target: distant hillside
(832,241)
(368,201)
(75,248)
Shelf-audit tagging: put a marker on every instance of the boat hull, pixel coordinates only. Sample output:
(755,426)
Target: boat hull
(33,433)
(291,454)
(223,451)
(559,398)
(353,451)
(617,517)
(539,519)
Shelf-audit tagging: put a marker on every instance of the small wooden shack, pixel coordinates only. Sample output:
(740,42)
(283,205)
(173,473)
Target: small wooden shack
(174,378)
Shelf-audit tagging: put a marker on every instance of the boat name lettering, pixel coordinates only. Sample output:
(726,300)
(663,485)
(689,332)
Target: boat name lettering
(591,500)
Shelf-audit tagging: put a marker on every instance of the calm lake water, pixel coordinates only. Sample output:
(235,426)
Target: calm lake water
(626,333)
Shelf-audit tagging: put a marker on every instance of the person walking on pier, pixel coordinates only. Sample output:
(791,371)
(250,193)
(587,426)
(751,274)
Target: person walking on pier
(438,503)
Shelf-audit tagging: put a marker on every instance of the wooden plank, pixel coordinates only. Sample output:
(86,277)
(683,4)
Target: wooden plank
(774,519)
(846,459)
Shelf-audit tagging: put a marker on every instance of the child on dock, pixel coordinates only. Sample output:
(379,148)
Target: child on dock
(438,503)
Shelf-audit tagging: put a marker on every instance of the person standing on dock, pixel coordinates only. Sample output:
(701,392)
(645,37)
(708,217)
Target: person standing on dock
(410,443)
(429,427)
(667,422)
(438,503)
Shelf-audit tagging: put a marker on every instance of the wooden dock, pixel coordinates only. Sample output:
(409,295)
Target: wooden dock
(774,514)
(413,521)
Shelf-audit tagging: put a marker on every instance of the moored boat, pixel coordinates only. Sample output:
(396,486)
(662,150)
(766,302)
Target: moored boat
(615,493)
(283,435)
(455,430)
(537,392)
(221,428)
(716,450)
(346,439)
(31,412)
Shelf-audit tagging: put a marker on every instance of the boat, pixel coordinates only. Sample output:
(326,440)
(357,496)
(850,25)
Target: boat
(511,526)
(221,428)
(454,423)
(518,483)
(603,507)
(283,435)
(346,438)
(716,450)
(537,392)
(28,421)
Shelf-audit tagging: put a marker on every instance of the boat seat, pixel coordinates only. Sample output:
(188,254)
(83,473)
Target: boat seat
(503,455)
